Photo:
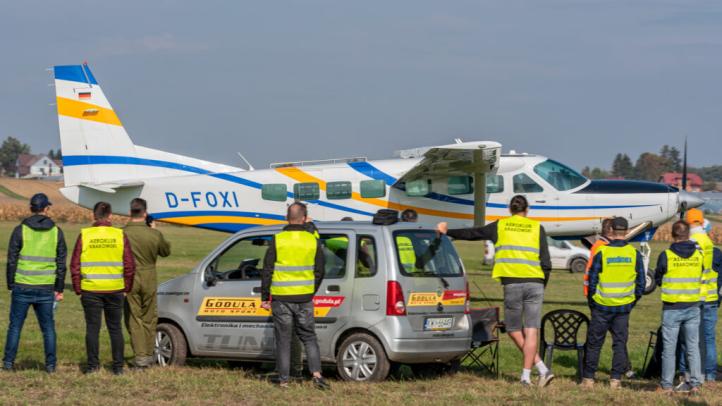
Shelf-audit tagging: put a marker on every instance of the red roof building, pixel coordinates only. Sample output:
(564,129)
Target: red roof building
(694,181)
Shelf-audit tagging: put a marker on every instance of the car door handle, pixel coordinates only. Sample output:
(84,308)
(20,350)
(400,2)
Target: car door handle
(256,289)
(540,201)
(333,288)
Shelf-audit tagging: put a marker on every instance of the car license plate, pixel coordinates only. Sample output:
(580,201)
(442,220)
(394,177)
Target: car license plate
(438,323)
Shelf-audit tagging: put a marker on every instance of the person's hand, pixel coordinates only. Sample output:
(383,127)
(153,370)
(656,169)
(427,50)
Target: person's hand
(58,296)
(442,228)
(152,224)
(266,305)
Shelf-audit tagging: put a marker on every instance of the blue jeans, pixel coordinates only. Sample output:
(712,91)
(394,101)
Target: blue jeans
(687,320)
(708,345)
(42,302)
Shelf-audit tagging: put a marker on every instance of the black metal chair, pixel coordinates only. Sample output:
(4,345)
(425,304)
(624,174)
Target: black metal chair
(484,351)
(566,327)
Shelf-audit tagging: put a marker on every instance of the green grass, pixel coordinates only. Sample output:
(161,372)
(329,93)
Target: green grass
(215,383)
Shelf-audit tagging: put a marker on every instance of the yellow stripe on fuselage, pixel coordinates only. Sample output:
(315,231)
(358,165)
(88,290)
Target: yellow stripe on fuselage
(200,220)
(86,111)
(301,176)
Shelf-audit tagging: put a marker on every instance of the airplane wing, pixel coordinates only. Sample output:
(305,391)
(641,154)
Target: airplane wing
(474,159)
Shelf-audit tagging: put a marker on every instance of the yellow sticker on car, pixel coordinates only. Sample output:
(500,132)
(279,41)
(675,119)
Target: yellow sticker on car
(447,298)
(251,306)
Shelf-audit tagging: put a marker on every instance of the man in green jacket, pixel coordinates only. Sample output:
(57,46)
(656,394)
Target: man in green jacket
(147,244)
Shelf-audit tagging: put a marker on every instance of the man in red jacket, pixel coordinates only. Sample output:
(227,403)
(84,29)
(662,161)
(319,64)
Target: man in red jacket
(102,269)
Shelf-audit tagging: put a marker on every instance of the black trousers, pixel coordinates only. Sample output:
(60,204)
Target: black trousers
(94,305)
(618,325)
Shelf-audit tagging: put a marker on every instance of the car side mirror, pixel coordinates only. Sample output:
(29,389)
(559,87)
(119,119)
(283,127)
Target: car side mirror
(210,278)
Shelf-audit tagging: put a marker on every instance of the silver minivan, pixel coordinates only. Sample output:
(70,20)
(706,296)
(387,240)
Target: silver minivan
(373,313)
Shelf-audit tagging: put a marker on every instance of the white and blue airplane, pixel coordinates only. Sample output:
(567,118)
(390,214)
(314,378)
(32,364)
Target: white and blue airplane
(102,163)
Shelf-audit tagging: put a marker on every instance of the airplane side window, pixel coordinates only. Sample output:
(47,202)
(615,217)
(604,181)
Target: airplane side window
(338,190)
(277,192)
(524,184)
(306,191)
(373,188)
(417,188)
(558,175)
(464,185)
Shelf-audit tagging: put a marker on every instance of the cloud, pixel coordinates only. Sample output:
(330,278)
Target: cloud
(148,44)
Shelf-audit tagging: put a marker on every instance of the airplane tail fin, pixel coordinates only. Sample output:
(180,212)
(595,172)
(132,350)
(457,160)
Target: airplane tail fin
(97,150)
(90,130)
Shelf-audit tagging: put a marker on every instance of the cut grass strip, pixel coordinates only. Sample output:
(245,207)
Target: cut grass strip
(9,193)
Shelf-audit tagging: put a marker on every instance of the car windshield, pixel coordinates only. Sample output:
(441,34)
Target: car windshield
(560,176)
(423,253)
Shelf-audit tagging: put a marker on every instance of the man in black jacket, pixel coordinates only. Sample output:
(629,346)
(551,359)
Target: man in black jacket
(293,269)
(36,277)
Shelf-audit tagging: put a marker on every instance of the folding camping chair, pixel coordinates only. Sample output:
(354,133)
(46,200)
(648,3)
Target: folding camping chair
(484,351)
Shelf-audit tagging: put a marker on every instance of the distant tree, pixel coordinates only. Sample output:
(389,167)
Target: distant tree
(58,154)
(672,157)
(650,166)
(586,172)
(51,154)
(10,149)
(622,166)
(598,173)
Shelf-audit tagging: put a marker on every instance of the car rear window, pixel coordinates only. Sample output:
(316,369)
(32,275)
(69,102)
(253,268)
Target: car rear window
(423,253)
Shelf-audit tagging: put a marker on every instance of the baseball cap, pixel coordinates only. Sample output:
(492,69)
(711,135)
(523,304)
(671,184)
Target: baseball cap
(694,216)
(39,201)
(620,224)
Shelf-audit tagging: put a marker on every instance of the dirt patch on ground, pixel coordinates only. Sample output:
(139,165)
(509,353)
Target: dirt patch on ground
(15,194)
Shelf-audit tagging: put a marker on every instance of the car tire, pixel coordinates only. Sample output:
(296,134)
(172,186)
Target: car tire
(170,345)
(578,265)
(362,358)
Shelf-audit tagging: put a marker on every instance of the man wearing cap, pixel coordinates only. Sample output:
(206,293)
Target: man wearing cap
(712,259)
(36,277)
(616,283)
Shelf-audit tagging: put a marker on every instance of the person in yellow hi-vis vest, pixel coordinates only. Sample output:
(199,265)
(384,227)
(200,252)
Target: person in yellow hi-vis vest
(710,299)
(36,277)
(102,269)
(679,273)
(616,283)
(293,269)
(522,264)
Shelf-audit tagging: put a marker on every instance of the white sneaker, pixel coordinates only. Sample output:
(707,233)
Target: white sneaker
(545,379)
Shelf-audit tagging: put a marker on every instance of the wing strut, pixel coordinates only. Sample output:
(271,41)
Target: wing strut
(479,190)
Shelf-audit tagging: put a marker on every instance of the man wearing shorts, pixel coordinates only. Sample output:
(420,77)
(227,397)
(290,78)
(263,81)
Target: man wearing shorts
(522,265)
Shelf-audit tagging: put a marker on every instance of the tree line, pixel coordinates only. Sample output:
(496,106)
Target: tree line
(12,148)
(650,166)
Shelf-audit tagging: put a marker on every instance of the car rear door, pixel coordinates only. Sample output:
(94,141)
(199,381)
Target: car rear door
(435,289)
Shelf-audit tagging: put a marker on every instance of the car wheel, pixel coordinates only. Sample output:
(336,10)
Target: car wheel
(170,345)
(578,265)
(362,358)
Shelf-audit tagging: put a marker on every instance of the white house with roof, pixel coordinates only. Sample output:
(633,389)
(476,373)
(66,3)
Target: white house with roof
(37,166)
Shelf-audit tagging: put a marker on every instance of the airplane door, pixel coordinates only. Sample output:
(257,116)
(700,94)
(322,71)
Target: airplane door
(544,204)
(229,319)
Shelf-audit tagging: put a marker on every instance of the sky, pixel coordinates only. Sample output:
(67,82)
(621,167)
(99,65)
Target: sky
(577,81)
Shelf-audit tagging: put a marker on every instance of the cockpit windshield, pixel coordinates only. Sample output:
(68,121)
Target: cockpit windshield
(561,177)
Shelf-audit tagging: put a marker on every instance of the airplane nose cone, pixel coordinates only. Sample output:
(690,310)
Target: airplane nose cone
(689,201)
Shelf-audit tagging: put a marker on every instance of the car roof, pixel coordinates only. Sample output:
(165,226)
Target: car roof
(358,226)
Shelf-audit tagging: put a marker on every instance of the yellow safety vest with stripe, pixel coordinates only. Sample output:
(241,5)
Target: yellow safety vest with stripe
(37,262)
(407,255)
(683,281)
(101,259)
(295,259)
(517,249)
(618,277)
(709,276)
(337,244)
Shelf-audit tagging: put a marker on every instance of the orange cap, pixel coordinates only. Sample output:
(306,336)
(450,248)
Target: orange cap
(694,216)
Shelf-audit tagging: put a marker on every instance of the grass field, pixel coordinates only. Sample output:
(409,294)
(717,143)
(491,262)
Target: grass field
(216,383)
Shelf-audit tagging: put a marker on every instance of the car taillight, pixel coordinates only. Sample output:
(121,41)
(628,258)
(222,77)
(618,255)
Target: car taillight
(467,303)
(395,305)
